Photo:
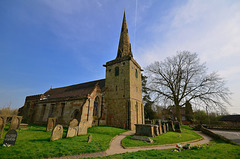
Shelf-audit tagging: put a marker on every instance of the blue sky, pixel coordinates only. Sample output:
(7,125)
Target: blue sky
(56,43)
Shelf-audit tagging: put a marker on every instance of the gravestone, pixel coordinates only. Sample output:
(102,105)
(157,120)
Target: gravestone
(164,128)
(177,127)
(10,137)
(171,126)
(142,138)
(156,130)
(3,120)
(73,128)
(167,127)
(15,122)
(89,138)
(51,124)
(57,133)
(160,127)
(73,123)
(82,128)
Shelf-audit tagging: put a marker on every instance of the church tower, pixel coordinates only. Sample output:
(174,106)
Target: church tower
(123,94)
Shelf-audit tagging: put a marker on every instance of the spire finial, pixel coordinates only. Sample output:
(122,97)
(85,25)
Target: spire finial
(124,46)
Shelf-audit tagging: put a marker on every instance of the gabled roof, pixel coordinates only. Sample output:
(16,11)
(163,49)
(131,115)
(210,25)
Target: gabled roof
(78,90)
(235,118)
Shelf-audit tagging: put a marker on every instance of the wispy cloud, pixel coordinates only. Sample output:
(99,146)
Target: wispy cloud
(209,28)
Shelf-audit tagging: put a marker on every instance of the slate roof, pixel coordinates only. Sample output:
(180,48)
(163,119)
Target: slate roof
(234,118)
(78,90)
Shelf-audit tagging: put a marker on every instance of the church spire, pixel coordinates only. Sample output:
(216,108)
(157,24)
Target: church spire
(124,46)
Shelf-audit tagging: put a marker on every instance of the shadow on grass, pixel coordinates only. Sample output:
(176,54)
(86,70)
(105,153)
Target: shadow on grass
(34,140)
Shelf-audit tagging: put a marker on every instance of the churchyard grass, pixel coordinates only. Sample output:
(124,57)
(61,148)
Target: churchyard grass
(34,142)
(215,149)
(166,138)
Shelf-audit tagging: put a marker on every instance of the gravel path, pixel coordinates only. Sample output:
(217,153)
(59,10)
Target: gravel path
(116,148)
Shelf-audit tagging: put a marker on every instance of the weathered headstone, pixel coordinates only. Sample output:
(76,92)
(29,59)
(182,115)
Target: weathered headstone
(167,127)
(82,128)
(3,120)
(73,128)
(156,130)
(164,128)
(160,127)
(142,138)
(10,137)
(57,133)
(177,127)
(89,138)
(15,122)
(171,126)
(51,124)
(73,123)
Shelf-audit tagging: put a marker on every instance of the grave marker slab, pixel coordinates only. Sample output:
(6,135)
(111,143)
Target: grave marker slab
(89,138)
(51,124)
(57,133)
(10,137)
(156,130)
(73,123)
(160,127)
(177,127)
(164,128)
(3,120)
(82,128)
(171,126)
(72,131)
(142,138)
(15,122)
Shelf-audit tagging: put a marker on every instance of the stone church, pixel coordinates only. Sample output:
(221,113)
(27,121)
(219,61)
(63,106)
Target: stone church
(113,101)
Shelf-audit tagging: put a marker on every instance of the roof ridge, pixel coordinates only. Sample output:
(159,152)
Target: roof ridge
(78,84)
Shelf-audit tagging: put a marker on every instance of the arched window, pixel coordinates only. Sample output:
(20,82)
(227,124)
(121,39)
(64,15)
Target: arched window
(76,114)
(116,71)
(136,73)
(95,108)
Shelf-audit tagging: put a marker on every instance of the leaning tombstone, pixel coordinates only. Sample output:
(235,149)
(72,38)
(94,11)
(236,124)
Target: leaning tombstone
(177,127)
(51,124)
(10,138)
(82,128)
(57,133)
(72,129)
(15,122)
(3,120)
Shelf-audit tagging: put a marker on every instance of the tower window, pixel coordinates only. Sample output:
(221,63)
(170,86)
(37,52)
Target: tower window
(136,73)
(116,71)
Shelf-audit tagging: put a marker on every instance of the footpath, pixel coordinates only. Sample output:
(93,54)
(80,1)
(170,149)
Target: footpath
(116,148)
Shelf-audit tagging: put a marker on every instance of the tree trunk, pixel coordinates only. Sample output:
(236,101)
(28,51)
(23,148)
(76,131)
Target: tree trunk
(178,113)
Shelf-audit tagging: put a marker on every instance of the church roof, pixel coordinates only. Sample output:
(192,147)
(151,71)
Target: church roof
(78,90)
(124,46)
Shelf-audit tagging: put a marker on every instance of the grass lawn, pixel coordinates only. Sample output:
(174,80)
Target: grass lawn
(35,143)
(167,138)
(215,149)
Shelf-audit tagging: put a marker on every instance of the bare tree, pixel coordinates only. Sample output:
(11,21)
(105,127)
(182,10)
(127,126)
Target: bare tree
(182,78)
